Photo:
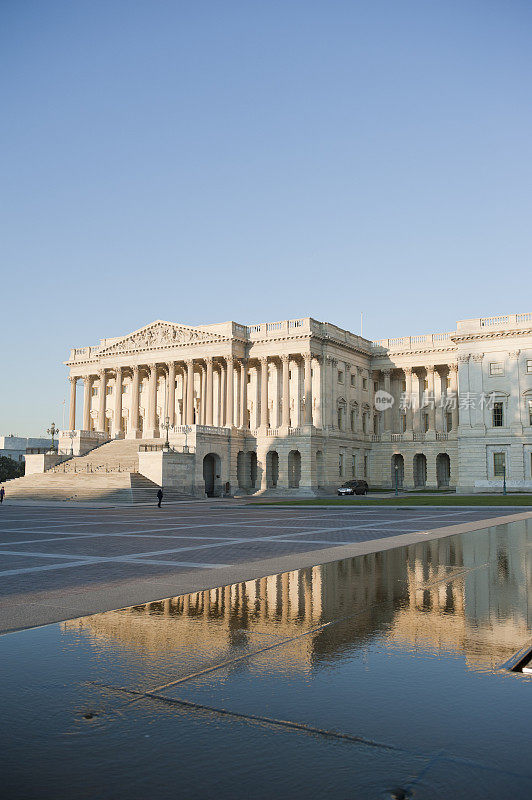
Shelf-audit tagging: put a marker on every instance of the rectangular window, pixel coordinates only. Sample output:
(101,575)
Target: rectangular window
(94,391)
(108,390)
(530,412)
(365,384)
(341,465)
(340,376)
(449,421)
(354,419)
(425,385)
(354,466)
(403,386)
(375,424)
(498,415)
(496,368)
(365,466)
(353,380)
(124,389)
(375,386)
(529,366)
(425,422)
(403,422)
(499,464)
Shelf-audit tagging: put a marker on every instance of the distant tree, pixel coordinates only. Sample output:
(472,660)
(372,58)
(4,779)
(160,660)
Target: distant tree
(10,469)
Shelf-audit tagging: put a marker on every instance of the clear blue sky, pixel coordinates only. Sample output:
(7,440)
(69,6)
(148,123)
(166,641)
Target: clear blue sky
(255,160)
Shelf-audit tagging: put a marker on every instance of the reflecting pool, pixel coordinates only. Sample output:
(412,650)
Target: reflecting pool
(385,675)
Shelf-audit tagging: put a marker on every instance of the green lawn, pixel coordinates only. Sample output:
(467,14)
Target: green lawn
(414,500)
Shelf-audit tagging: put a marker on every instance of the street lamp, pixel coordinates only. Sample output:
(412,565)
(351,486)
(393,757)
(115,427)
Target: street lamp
(52,430)
(167,426)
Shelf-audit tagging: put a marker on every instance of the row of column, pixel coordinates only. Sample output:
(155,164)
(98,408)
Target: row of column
(413,410)
(230,413)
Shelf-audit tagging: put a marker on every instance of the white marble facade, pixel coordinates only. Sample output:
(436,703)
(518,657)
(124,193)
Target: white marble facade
(304,404)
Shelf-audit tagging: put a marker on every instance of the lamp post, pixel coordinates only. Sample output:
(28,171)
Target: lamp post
(187,431)
(167,426)
(52,430)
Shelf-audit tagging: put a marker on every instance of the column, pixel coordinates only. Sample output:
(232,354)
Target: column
(388,411)
(72,409)
(101,400)
(264,392)
(209,406)
(308,388)
(171,394)
(256,401)
(152,401)
(117,416)
(409,400)
(229,400)
(453,385)
(278,393)
(286,391)
(189,415)
(134,404)
(360,402)
(514,401)
(318,421)
(183,395)
(243,393)
(222,392)
(200,419)
(417,395)
(438,401)
(333,416)
(476,388)
(431,404)
(87,385)
(236,394)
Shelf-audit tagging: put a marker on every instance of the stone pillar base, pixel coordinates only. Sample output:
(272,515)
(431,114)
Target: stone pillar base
(150,433)
(132,435)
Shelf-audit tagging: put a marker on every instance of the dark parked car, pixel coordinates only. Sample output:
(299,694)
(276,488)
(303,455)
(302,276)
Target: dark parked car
(353,487)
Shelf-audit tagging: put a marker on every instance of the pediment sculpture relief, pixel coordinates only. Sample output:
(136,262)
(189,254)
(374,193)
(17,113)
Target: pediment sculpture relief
(159,335)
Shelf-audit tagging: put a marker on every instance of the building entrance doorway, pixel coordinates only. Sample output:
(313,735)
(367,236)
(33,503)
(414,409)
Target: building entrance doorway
(211,474)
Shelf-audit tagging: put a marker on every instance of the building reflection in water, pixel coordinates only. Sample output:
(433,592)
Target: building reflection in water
(468,595)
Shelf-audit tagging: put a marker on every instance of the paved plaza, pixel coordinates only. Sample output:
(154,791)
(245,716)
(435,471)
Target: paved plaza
(57,563)
(391,674)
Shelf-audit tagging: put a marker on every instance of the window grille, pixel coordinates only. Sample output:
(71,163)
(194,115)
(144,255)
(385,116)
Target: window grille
(498,415)
(499,464)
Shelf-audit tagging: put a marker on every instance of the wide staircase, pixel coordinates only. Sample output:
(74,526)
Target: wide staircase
(108,473)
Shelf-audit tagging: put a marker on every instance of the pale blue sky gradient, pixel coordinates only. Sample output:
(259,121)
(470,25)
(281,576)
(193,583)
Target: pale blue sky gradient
(203,161)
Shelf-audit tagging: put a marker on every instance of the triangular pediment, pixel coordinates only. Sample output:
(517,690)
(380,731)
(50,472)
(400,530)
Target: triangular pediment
(160,334)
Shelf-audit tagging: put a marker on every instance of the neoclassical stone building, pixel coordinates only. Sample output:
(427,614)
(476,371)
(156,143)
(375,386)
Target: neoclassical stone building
(306,405)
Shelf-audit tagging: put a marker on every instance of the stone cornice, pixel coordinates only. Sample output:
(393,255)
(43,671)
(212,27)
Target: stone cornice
(490,334)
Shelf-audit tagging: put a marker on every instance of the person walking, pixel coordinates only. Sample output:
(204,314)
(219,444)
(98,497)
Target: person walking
(159,497)
(2,493)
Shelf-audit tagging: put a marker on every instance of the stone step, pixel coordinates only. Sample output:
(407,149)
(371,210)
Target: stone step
(119,487)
